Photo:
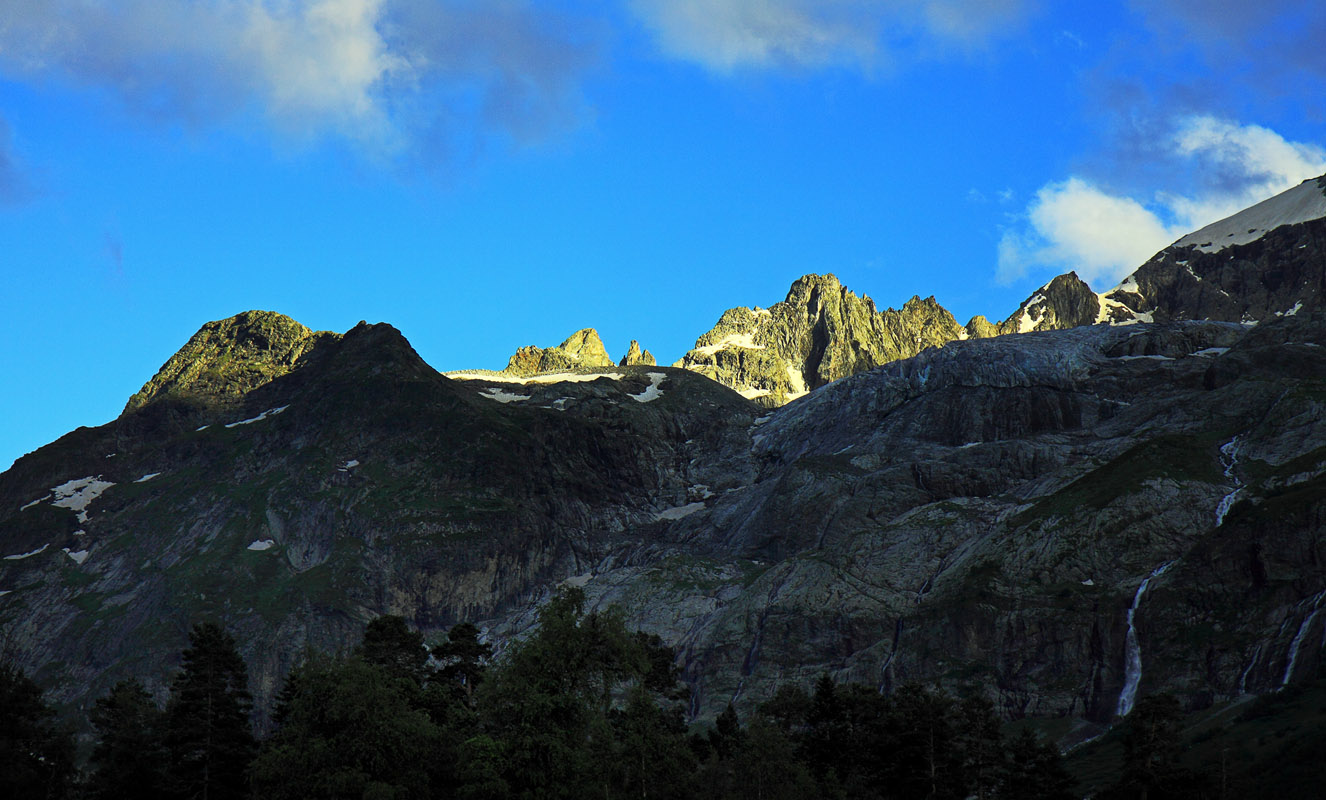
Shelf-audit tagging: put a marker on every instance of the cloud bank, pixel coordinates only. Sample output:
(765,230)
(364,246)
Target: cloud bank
(1077,225)
(725,35)
(376,71)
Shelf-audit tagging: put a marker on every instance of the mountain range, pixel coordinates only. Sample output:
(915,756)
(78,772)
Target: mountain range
(1099,497)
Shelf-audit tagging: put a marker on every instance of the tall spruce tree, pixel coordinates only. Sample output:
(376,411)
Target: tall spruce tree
(208,736)
(36,753)
(347,731)
(129,758)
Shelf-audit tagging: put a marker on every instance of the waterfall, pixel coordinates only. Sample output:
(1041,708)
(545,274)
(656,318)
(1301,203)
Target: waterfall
(1133,662)
(1229,456)
(1243,679)
(1298,638)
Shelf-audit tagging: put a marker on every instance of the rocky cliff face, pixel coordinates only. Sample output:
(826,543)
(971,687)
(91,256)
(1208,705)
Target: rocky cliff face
(634,357)
(581,349)
(1065,302)
(228,358)
(978,515)
(821,332)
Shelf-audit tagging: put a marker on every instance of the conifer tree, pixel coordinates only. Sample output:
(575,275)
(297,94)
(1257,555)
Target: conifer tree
(347,731)
(208,736)
(393,645)
(129,756)
(1034,771)
(36,754)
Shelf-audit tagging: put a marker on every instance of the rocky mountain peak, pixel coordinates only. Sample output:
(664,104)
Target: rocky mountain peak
(228,358)
(822,331)
(1065,302)
(583,348)
(634,356)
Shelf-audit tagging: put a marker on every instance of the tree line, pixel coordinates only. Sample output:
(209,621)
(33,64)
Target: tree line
(581,708)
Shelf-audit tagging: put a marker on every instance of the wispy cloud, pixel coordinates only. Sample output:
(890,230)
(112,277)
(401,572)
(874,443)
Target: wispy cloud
(1075,224)
(726,35)
(376,71)
(14,184)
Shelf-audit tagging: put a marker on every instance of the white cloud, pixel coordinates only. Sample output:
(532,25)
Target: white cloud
(377,71)
(1076,225)
(1248,163)
(729,34)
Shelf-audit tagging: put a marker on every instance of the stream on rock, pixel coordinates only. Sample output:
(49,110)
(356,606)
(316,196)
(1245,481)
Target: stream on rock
(1133,662)
(1229,456)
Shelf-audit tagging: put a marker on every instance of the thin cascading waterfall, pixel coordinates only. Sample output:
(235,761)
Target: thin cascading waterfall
(1229,456)
(1298,638)
(1132,675)
(1243,679)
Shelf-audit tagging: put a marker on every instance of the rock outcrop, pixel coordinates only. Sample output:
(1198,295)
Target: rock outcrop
(1065,302)
(228,358)
(977,516)
(634,356)
(583,348)
(821,332)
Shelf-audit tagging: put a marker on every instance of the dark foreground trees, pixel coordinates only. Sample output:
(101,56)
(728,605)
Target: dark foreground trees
(36,753)
(208,739)
(581,707)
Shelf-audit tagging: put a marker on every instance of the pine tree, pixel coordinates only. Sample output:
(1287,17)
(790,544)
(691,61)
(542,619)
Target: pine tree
(464,659)
(347,731)
(393,645)
(36,754)
(129,756)
(1035,771)
(208,737)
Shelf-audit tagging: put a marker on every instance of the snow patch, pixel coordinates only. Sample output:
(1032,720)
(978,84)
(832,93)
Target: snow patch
(578,581)
(1088,582)
(203,428)
(1212,351)
(502,396)
(745,341)
(551,377)
(271,412)
(76,495)
(28,554)
(560,403)
(262,544)
(26,506)
(1291,312)
(351,464)
(751,394)
(79,556)
(679,511)
(149,476)
(1026,322)
(1136,358)
(1300,204)
(651,392)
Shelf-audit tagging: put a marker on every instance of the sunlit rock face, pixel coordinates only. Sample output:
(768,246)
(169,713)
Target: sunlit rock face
(977,513)
(821,332)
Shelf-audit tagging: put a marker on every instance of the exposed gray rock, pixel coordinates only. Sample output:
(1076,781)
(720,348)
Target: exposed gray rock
(583,348)
(821,332)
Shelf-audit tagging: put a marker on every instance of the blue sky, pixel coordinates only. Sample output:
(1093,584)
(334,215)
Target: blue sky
(487,175)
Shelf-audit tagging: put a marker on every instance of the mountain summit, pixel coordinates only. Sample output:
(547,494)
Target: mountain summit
(979,514)
(820,332)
